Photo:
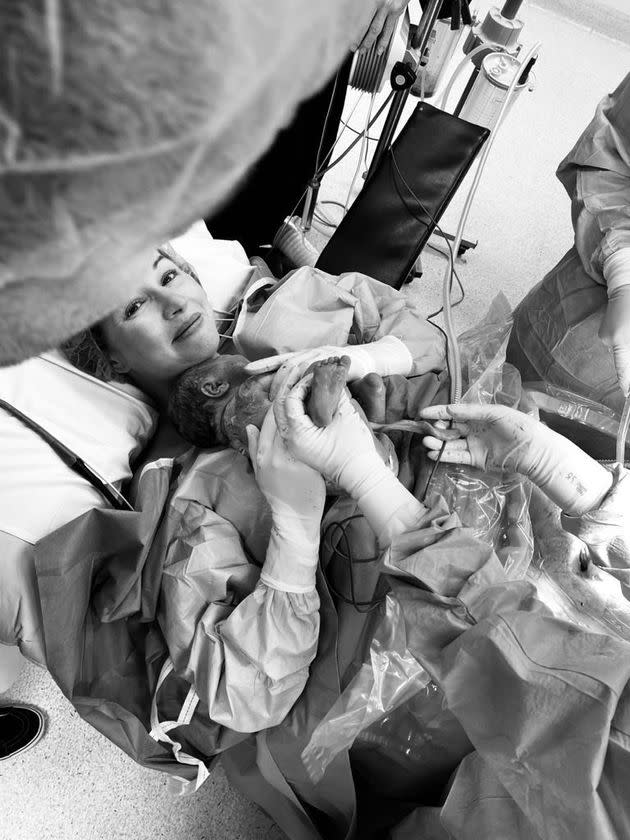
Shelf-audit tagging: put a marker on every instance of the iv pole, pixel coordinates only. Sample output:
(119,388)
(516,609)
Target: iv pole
(418,42)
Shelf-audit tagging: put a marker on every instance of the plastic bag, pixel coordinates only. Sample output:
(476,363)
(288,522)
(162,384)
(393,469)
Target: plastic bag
(404,738)
(494,505)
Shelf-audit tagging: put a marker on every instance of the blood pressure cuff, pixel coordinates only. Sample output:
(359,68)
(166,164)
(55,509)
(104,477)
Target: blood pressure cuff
(388,225)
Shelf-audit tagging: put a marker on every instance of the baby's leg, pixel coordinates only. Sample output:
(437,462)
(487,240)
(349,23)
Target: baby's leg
(329,380)
(370,392)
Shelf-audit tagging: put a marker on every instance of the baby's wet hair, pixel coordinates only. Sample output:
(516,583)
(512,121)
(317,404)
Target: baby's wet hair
(188,408)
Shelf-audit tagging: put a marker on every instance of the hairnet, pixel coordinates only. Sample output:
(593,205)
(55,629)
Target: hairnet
(121,123)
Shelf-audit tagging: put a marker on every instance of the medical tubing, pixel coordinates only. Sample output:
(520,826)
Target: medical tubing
(327,168)
(326,158)
(453,348)
(362,153)
(622,434)
(468,57)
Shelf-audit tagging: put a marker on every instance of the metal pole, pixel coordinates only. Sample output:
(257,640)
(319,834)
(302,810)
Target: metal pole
(466,91)
(419,42)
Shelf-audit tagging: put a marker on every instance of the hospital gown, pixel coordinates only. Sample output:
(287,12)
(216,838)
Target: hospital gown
(556,325)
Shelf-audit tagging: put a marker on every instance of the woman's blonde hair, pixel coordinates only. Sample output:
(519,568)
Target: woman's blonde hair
(87,350)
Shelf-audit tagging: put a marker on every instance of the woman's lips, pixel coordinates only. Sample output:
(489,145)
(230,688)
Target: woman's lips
(190,326)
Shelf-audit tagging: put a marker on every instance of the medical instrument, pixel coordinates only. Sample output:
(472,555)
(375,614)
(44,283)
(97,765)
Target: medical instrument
(440,48)
(455,362)
(499,32)
(419,43)
(71,459)
(290,238)
(489,90)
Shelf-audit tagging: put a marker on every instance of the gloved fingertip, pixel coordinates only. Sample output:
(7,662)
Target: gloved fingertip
(252,439)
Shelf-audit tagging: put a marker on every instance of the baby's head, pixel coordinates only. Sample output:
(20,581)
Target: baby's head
(213,402)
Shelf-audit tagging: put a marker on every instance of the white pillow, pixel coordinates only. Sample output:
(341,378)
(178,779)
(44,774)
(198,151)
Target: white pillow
(222,266)
(104,423)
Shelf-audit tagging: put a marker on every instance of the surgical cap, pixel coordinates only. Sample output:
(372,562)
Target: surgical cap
(121,123)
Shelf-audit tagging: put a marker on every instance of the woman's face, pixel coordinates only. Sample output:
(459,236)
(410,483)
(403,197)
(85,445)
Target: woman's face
(164,328)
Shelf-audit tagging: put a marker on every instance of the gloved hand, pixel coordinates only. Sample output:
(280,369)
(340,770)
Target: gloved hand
(493,437)
(296,494)
(615,328)
(344,452)
(386,356)
(382,24)
(498,438)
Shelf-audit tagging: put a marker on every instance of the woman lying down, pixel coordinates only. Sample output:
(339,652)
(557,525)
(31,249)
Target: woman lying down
(248,629)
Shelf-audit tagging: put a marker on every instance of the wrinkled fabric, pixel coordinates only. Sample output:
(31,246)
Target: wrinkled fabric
(596,175)
(605,530)
(542,696)
(177,581)
(121,124)
(244,645)
(556,325)
(310,308)
(555,334)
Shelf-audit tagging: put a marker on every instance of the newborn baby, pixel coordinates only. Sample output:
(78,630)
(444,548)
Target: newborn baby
(212,403)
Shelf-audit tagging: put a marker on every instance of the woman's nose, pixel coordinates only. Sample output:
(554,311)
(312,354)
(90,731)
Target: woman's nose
(172,304)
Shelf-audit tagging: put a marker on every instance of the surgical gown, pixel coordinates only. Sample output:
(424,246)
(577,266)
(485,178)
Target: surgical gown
(555,336)
(535,689)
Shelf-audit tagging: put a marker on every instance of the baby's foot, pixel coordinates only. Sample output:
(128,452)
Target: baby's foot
(370,392)
(329,380)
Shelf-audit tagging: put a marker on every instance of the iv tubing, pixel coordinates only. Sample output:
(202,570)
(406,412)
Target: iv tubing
(468,57)
(452,346)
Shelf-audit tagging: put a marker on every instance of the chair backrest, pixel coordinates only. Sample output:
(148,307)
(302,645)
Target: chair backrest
(391,219)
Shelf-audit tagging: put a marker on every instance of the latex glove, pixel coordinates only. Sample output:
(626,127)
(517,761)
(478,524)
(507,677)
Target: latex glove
(497,438)
(615,328)
(382,25)
(385,357)
(296,494)
(345,453)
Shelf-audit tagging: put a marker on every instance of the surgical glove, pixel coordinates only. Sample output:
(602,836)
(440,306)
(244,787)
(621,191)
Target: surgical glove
(345,453)
(497,438)
(615,327)
(385,357)
(295,493)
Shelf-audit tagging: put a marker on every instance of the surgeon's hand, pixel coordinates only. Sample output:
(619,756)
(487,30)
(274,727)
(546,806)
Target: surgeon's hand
(492,437)
(382,25)
(495,437)
(295,492)
(615,333)
(385,357)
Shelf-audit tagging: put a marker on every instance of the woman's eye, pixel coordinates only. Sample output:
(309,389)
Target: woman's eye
(169,275)
(132,308)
